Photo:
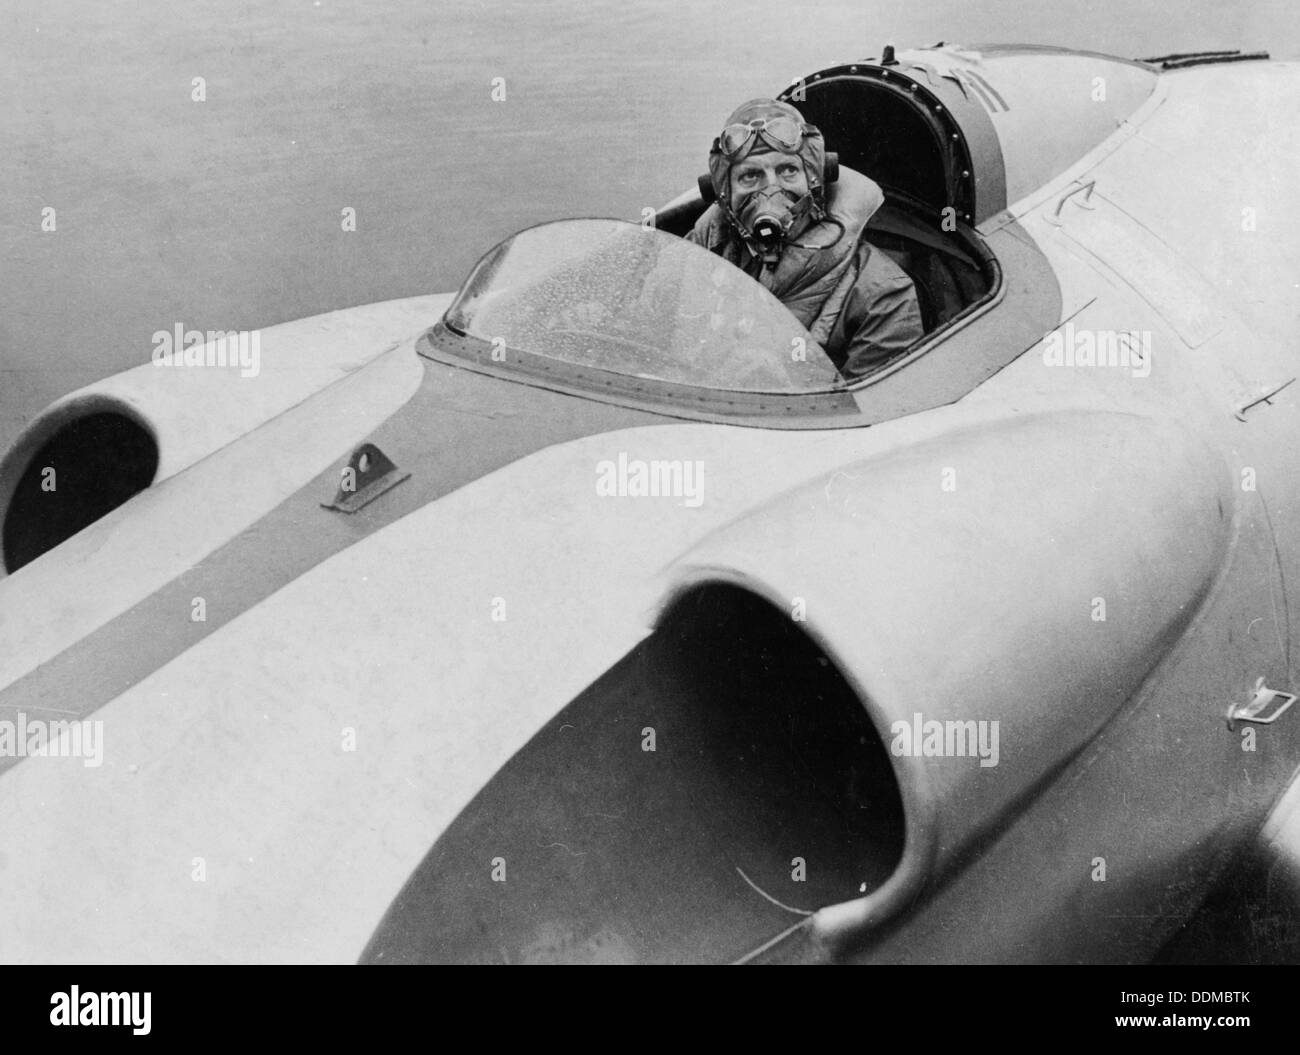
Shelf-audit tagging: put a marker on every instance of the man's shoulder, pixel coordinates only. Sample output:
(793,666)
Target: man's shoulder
(878,271)
(709,230)
(881,285)
(881,317)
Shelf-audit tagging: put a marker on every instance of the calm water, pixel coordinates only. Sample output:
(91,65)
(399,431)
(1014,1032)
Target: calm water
(226,214)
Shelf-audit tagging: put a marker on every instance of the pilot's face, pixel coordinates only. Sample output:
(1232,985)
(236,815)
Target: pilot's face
(767,171)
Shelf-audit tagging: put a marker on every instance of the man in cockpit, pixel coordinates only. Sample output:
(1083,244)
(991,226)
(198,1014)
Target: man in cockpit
(778,220)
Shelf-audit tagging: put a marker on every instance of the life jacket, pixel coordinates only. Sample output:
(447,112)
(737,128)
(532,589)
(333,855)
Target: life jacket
(812,282)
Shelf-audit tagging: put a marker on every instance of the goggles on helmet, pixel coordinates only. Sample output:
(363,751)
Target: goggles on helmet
(782,132)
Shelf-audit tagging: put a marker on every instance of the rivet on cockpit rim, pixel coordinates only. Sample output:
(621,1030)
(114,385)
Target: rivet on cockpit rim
(965,174)
(956,136)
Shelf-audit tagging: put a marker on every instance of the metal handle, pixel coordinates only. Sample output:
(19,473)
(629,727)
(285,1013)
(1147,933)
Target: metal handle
(1265,707)
(1240,412)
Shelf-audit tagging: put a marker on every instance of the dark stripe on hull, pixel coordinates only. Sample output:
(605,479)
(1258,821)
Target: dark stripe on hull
(458,427)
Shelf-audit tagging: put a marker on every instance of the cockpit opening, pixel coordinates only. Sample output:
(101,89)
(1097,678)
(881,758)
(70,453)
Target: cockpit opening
(881,125)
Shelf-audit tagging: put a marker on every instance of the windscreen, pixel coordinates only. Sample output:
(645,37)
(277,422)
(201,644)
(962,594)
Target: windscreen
(638,302)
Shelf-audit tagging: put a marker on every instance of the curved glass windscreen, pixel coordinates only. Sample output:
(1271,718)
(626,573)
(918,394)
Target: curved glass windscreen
(614,296)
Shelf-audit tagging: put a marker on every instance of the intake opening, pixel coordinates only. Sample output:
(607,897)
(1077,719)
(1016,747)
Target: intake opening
(84,469)
(712,786)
